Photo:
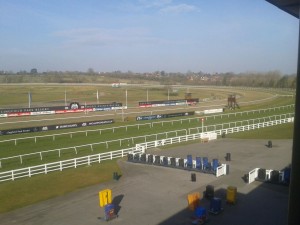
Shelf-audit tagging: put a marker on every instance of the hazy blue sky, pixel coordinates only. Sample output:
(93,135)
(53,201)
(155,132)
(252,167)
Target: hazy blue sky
(147,35)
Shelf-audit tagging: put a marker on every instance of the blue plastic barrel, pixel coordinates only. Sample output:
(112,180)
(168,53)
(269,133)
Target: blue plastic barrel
(215,163)
(108,208)
(198,163)
(215,205)
(205,163)
(200,212)
(189,161)
(286,175)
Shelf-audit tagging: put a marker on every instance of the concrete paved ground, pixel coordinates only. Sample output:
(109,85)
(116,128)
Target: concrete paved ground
(151,195)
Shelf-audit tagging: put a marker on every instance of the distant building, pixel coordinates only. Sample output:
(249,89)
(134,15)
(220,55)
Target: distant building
(33,71)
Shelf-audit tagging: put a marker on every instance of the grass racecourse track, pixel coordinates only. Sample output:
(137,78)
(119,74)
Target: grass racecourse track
(27,191)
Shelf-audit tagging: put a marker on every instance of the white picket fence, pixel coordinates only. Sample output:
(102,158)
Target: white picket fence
(139,148)
(70,163)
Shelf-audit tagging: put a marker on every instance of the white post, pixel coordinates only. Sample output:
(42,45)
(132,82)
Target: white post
(97,97)
(126,95)
(147,95)
(65,97)
(29,99)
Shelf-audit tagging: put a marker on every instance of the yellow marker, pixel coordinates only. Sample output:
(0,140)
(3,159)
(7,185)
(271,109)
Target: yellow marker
(231,194)
(105,197)
(193,200)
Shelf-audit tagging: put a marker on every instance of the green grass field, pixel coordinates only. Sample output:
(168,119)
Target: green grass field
(42,144)
(37,189)
(24,192)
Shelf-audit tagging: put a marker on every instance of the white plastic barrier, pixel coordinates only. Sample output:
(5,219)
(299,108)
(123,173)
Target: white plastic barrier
(209,136)
(194,163)
(268,174)
(253,175)
(221,170)
(177,161)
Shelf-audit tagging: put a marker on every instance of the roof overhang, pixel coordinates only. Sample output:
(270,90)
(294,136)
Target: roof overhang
(289,6)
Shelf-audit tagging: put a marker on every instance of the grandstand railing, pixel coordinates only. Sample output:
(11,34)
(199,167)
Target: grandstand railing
(139,148)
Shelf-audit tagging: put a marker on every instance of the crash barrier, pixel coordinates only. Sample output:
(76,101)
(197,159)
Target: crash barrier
(269,175)
(200,164)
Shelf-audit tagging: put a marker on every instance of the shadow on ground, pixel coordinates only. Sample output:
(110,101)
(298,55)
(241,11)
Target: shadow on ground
(266,204)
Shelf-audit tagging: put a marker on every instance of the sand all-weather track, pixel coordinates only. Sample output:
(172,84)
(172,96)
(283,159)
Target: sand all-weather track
(152,195)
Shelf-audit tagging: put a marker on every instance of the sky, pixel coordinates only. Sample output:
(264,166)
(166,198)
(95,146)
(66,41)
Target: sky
(212,36)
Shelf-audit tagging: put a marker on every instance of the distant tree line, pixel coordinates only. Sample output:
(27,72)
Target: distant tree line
(272,79)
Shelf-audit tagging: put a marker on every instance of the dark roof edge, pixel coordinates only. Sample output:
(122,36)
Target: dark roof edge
(291,7)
